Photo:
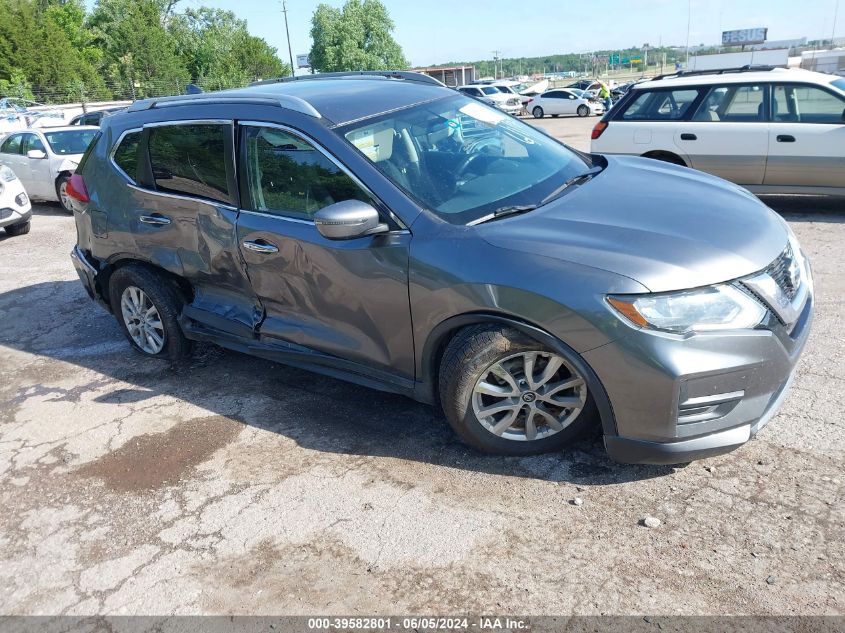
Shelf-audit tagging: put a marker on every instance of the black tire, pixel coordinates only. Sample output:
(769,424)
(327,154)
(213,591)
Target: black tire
(538,112)
(18,229)
(167,299)
(554,116)
(464,361)
(583,111)
(60,181)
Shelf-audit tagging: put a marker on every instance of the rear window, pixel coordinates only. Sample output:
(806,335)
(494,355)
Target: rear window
(660,105)
(126,155)
(69,142)
(191,160)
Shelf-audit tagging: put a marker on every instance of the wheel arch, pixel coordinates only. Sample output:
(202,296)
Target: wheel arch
(442,334)
(666,156)
(107,268)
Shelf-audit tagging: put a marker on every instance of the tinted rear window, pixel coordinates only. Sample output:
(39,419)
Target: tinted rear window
(660,105)
(191,160)
(126,155)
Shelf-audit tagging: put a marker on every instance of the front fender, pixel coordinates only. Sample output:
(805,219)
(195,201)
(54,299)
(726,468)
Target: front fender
(67,165)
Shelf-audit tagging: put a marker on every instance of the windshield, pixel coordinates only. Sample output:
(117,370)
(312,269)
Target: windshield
(70,141)
(464,160)
(490,90)
(505,89)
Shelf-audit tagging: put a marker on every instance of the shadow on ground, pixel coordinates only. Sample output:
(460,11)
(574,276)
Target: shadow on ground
(56,320)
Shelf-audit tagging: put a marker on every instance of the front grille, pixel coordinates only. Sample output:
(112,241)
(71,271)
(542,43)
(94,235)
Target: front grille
(786,272)
(5,213)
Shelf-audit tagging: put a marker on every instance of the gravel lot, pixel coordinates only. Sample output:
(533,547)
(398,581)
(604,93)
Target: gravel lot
(234,485)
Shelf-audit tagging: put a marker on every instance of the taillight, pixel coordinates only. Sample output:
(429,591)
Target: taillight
(601,126)
(76,188)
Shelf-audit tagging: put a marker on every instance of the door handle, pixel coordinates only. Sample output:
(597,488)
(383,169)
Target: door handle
(689,137)
(261,246)
(155,220)
(786,138)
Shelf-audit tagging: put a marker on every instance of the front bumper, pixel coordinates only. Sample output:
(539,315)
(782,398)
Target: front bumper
(510,109)
(679,399)
(10,216)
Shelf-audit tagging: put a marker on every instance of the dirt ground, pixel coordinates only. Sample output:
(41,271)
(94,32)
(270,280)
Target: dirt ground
(234,485)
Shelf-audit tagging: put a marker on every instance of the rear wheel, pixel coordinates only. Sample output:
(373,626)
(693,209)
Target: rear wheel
(18,229)
(147,307)
(537,112)
(504,393)
(583,111)
(61,193)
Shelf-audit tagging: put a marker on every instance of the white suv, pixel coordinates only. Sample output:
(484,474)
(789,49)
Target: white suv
(771,130)
(505,101)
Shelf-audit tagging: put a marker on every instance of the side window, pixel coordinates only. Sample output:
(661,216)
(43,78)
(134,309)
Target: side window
(733,104)
(126,155)
(806,104)
(31,141)
(191,160)
(287,176)
(12,145)
(660,105)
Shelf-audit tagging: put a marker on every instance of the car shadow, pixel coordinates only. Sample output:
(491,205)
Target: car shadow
(808,208)
(319,413)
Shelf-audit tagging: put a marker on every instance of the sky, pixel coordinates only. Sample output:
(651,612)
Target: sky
(439,31)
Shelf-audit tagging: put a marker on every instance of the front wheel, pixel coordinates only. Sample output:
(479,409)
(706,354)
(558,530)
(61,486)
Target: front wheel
(61,193)
(504,393)
(583,111)
(147,307)
(537,112)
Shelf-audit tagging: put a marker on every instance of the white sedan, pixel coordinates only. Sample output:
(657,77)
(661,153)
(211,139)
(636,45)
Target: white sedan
(45,158)
(15,209)
(562,101)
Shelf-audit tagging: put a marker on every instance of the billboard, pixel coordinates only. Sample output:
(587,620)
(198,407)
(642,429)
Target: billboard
(744,36)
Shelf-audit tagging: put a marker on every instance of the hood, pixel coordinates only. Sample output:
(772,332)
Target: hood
(667,227)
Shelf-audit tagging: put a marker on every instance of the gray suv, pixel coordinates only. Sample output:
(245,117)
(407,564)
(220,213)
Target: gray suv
(385,230)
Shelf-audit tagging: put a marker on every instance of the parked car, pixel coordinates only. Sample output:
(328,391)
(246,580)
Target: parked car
(505,101)
(771,131)
(93,118)
(15,208)
(394,233)
(561,101)
(44,159)
(514,88)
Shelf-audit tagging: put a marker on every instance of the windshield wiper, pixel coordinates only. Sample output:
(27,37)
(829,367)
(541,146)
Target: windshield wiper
(503,212)
(577,180)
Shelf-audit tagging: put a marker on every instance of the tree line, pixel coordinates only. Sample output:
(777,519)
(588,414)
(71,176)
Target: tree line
(55,51)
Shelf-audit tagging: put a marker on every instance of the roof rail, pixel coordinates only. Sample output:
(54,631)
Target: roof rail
(748,68)
(290,102)
(406,75)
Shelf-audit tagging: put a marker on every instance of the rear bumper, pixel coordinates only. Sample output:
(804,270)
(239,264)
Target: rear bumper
(87,272)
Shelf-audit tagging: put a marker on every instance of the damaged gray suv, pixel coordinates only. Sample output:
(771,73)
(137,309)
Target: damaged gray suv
(386,230)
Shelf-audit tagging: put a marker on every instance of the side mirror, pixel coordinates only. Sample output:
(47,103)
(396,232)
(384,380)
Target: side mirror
(36,153)
(347,220)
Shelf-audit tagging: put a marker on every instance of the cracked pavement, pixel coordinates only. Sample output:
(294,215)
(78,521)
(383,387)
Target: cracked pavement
(233,485)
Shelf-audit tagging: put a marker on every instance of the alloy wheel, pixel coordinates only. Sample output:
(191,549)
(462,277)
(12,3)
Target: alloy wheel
(529,396)
(142,320)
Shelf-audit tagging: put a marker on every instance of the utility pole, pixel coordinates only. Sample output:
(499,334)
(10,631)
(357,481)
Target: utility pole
(835,17)
(496,55)
(689,25)
(287,32)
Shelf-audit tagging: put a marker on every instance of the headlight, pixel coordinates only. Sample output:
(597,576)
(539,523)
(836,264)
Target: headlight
(6,174)
(722,307)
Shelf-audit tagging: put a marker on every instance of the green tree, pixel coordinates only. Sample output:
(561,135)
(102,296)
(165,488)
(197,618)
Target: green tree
(139,55)
(16,86)
(357,37)
(218,50)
